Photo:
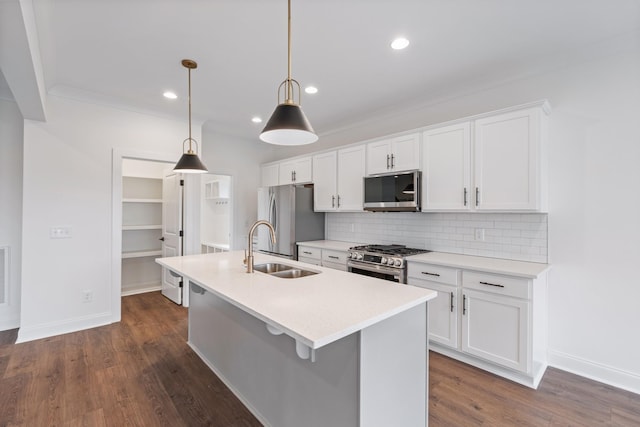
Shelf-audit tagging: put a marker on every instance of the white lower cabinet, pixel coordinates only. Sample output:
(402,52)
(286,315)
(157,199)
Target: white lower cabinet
(496,328)
(492,321)
(323,257)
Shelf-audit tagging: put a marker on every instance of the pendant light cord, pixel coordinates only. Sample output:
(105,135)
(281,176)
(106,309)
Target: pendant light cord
(190,139)
(289,89)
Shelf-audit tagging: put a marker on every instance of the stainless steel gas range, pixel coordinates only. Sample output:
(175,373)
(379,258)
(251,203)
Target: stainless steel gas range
(381,261)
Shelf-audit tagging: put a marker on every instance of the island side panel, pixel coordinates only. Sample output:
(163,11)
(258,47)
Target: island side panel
(264,371)
(394,371)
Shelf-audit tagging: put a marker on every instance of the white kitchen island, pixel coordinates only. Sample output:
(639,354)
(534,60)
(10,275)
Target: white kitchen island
(330,349)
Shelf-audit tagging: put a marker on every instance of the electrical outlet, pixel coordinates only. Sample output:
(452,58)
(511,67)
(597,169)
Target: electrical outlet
(87,295)
(60,233)
(480,234)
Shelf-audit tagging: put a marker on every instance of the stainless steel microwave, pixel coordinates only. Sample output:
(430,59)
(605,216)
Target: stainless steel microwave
(393,192)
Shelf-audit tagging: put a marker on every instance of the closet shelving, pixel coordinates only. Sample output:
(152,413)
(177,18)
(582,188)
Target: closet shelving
(141,233)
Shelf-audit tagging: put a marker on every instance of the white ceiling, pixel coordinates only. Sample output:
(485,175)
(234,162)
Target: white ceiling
(127,52)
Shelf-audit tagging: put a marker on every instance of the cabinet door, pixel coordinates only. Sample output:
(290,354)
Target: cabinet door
(351,170)
(506,161)
(378,157)
(405,153)
(302,172)
(269,175)
(285,174)
(443,312)
(324,182)
(495,328)
(446,163)
(296,171)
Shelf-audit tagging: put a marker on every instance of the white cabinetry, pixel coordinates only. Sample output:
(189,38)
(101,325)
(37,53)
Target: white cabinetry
(269,175)
(447,168)
(324,257)
(310,255)
(141,233)
(492,163)
(508,161)
(337,179)
(295,171)
(493,321)
(443,310)
(397,154)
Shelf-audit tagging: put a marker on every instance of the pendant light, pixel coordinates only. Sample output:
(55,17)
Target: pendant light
(189,162)
(288,125)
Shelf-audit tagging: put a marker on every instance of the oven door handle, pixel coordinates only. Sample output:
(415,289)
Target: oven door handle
(374,268)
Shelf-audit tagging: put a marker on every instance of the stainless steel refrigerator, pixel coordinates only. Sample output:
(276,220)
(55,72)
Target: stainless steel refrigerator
(290,209)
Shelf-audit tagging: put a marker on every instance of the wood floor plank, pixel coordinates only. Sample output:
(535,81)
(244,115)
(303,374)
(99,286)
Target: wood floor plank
(141,372)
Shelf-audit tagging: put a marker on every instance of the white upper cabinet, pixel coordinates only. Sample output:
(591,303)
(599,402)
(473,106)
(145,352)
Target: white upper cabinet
(325,181)
(446,173)
(394,155)
(269,175)
(351,169)
(295,171)
(338,179)
(493,163)
(508,162)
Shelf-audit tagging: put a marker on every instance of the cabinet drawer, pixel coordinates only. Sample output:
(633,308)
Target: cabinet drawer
(433,273)
(310,261)
(497,284)
(334,257)
(307,252)
(335,265)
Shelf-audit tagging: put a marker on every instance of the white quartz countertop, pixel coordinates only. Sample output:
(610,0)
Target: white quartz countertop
(530,270)
(335,245)
(315,310)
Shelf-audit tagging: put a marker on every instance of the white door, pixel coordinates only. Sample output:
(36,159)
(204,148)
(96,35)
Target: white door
(495,328)
(405,153)
(506,161)
(324,182)
(351,168)
(171,232)
(446,163)
(378,157)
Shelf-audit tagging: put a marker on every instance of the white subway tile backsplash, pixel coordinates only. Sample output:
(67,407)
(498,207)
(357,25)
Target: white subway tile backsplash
(513,236)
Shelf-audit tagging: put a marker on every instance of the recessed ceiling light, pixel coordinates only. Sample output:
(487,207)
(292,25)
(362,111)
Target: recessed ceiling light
(399,43)
(170,95)
(256,119)
(311,89)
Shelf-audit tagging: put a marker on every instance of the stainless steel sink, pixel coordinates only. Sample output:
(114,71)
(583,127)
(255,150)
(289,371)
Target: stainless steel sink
(283,271)
(271,267)
(294,273)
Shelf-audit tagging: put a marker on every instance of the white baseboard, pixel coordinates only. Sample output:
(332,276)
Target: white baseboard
(12,323)
(36,332)
(595,371)
(153,288)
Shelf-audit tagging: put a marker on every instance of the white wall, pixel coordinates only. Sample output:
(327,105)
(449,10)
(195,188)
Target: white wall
(594,231)
(68,182)
(229,155)
(11,129)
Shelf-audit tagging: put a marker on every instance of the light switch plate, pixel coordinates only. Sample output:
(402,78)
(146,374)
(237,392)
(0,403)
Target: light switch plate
(480,234)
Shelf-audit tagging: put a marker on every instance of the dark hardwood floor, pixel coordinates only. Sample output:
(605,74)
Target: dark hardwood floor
(140,372)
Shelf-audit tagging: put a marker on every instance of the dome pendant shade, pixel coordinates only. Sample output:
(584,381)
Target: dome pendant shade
(190,163)
(288,126)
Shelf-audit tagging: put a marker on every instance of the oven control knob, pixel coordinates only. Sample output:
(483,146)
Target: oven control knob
(359,256)
(351,255)
(397,262)
(390,261)
(383,260)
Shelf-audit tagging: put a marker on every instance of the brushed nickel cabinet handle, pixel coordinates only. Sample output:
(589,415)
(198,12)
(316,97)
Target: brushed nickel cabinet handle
(387,161)
(477,196)
(464,305)
(465,196)
(451,301)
